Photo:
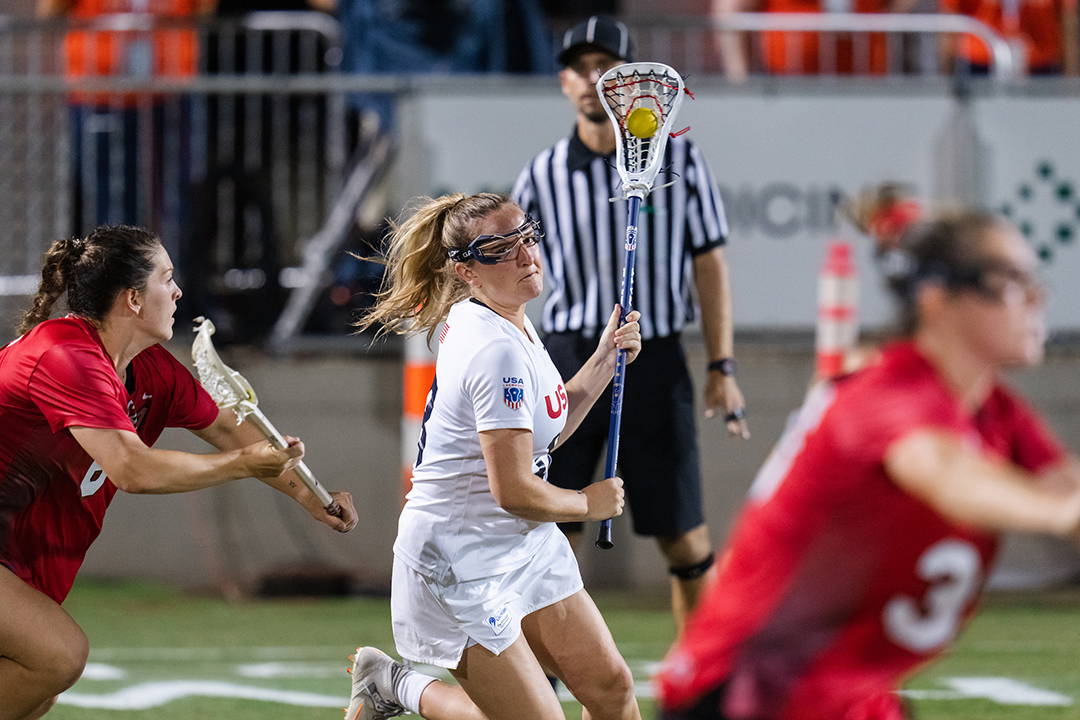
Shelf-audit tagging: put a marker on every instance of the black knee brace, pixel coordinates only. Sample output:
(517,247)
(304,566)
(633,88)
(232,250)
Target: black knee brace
(692,572)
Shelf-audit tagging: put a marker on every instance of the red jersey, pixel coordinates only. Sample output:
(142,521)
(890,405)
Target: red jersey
(836,584)
(53,496)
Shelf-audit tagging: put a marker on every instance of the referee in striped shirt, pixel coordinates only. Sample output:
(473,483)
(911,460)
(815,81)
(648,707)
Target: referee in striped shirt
(567,188)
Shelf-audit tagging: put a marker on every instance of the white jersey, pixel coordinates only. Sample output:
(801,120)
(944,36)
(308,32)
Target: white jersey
(488,376)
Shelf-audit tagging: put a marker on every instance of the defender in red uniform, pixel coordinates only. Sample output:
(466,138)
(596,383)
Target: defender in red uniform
(82,399)
(870,530)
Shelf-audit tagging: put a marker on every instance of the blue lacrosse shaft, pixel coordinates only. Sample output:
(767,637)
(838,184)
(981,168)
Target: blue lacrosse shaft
(603,538)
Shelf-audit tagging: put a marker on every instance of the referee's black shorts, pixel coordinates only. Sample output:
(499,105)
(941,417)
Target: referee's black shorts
(658,452)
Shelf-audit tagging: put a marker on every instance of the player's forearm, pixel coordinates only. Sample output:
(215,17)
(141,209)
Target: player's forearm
(170,471)
(135,467)
(530,498)
(226,434)
(508,455)
(1007,499)
(967,488)
(1063,477)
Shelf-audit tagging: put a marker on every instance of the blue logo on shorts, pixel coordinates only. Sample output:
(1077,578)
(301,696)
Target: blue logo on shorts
(499,620)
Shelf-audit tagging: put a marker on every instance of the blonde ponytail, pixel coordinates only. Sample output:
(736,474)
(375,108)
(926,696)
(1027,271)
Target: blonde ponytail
(421,285)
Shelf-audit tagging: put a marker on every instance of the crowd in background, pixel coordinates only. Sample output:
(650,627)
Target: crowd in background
(515,36)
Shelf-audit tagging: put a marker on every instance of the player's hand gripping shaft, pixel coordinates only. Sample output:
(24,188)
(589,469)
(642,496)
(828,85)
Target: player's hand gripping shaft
(605,498)
(268,460)
(622,333)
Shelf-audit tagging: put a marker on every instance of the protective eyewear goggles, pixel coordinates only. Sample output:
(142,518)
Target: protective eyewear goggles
(999,283)
(492,249)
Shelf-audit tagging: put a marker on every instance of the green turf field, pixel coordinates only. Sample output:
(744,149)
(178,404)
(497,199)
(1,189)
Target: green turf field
(286,659)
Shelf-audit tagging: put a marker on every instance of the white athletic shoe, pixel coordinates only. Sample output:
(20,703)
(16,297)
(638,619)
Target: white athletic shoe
(373,676)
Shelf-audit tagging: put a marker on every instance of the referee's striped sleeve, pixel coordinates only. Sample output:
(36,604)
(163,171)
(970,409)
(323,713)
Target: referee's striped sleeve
(711,228)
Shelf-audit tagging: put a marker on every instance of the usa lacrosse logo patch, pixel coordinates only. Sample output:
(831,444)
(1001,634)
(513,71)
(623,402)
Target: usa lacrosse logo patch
(513,392)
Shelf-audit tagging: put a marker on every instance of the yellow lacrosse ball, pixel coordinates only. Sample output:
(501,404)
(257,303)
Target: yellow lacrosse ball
(642,122)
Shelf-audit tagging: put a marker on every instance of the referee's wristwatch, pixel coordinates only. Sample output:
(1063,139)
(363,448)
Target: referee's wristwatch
(724,366)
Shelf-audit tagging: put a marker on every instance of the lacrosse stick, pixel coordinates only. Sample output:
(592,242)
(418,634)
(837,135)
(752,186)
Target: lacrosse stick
(642,100)
(231,390)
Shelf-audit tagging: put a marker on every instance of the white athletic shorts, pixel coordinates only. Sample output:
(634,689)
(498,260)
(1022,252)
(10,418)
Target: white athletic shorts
(434,624)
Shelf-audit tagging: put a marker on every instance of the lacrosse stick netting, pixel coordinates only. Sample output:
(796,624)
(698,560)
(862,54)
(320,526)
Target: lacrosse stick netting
(231,391)
(642,100)
(651,94)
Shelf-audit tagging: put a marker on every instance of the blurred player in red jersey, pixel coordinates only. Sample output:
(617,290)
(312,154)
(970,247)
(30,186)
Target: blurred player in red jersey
(870,530)
(82,398)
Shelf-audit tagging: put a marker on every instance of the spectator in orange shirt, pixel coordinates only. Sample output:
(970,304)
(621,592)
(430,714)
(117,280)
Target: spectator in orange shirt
(1044,29)
(105,126)
(805,53)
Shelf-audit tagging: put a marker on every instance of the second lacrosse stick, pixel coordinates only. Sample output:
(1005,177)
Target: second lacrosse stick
(231,390)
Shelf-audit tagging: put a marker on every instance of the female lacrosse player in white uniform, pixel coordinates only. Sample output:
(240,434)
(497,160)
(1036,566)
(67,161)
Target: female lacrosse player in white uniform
(484,583)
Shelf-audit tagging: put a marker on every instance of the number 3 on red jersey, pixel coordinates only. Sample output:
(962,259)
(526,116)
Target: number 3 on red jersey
(953,569)
(93,480)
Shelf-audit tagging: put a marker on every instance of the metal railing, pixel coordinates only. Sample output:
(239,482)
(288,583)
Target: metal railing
(910,41)
(228,154)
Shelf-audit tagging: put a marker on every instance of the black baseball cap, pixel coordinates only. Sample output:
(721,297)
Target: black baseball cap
(597,33)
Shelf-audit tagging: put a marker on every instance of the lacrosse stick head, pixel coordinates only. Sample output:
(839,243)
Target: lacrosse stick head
(642,100)
(228,388)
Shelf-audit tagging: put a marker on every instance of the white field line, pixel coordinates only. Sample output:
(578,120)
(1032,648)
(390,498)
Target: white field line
(293,652)
(156,694)
(270,670)
(1006,691)
(1003,691)
(101,671)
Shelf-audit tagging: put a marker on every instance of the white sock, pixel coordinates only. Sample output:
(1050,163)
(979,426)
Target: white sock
(409,688)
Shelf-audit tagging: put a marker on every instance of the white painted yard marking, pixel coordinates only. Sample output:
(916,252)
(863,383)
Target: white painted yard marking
(642,691)
(156,694)
(101,671)
(1006,691)
(1003,691)
(931,694)
(294,652)
(292,670)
